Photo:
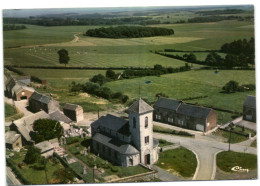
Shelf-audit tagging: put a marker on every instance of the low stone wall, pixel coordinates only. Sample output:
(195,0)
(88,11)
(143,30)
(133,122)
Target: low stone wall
(143,176)
(168,147)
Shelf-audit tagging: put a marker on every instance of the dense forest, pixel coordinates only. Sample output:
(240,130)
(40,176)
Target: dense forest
(90,20)
(129,32)
(13,27)
(212,19)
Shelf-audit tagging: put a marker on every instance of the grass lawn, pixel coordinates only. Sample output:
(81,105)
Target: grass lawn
(163,143)
(170,131)
(11,113)
(180,161)
(110,169)
(229,159)
(32,175)
(235,138)
(254,144)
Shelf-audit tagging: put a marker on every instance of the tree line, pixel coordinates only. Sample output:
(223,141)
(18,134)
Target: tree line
(218,12)
(7,27)
(205,19)
(129,32)
(92,20)
(239,53)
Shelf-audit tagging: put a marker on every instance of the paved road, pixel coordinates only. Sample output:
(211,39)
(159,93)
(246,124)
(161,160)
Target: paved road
(10,178)
(205,151)
(166,176)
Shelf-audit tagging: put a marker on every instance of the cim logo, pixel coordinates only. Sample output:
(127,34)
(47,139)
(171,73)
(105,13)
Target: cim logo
(239,169)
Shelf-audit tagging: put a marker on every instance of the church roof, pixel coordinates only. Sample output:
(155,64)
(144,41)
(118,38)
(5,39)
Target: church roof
(115,144)
(140,106)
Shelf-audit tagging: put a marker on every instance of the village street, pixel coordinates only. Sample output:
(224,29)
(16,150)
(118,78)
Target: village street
(205,151)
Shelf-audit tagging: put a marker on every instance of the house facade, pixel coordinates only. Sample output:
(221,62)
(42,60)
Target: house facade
(13,140)
(249,109)
(20,92)
(74,112)
(177,113)
(126,142)
(39,102)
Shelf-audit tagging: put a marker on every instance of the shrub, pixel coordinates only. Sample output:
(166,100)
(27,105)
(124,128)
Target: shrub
(72,140)
(37,166)
(230,87)
(114,169)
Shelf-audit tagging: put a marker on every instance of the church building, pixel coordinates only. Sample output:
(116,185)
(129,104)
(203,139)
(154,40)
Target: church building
(126,142)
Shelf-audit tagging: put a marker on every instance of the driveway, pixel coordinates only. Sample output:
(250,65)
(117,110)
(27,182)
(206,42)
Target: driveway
(206,152)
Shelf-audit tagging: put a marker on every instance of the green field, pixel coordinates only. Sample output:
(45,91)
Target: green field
(181,161)
(229,159)
(190,84)
(11,113)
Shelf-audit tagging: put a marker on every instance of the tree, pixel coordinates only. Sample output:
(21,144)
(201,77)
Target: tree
(47,128)
(33,155)
(63,56)
(100,79)
(110,74)
(231,87)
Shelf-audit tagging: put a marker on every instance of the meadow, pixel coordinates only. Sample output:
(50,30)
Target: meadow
(189,84)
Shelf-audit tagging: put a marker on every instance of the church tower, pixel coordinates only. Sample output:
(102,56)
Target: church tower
(141,128)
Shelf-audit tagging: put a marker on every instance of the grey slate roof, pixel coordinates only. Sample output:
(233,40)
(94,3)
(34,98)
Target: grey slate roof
(167,103)
(11,137)
(250,102)
(140,106)
(120,147)
(44,146)
(24,125)
(58,116)
(155,142)
(193,111)
(69,106)
(39,97)
(112,122)
(18,88)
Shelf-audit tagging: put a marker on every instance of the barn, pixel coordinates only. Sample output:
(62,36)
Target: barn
(249,109)
(74,112)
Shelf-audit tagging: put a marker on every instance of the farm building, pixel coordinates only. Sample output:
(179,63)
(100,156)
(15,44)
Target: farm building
(24,126)
(39,102)
(74,112)
(184,115)
(17,89)
(20,92)
(126,142)
(26,80)
(249,109)
(13,140)
(59,116)
(46,147)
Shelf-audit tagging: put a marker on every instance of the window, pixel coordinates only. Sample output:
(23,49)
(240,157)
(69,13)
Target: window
(158,116)
(180,122)
(146,140)
(170,119)
(134,122)
(103,148)
(109,152)
(146,122)
(131,162)
(97,147)
(115,155)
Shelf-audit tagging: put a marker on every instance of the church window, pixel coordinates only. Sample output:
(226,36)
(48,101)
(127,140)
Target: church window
(146,140)
(134,122)
(146,122)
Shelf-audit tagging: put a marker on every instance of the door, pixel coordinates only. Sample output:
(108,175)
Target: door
(147,159)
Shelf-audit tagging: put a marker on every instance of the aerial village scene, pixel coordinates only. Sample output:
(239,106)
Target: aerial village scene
(130,94)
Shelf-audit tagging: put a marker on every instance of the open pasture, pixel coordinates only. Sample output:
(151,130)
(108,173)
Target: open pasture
(90,57)
(190,84)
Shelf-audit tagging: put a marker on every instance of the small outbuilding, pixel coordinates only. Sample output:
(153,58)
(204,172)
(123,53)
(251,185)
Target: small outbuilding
(13,140)
(74,112)
(39,102)
(59,116)
(249,109)
(46,147)
(20,92)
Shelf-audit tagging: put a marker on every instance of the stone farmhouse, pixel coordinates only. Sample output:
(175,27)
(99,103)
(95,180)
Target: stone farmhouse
(249,109)
(24,126)
(74,112)
(39,102)
(13,140)
(17,88)
(59,116)
(175,112)
(126,142)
